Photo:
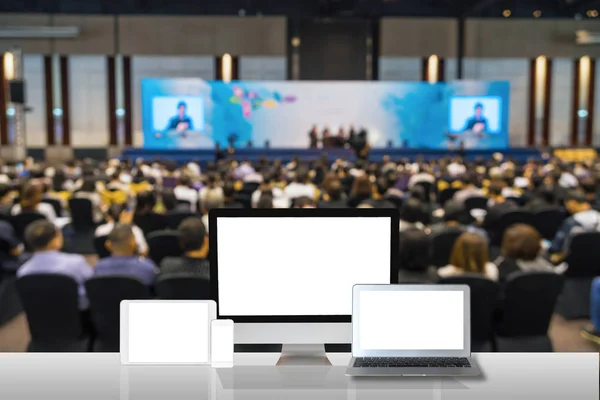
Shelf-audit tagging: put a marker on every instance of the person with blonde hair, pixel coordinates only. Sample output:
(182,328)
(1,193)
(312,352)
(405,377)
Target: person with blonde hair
(470,256)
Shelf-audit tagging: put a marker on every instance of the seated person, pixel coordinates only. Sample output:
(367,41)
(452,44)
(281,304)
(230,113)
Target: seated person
(265,201)
(117,214)
(145,217)
(334,196)
(6,200)
(414,258)
(171,204)
(184,191)
(470,256)
(300,186)
(378,200)
(583,219)
(212,199)
(469,188)
(454,215)
(46,240)
(304,202)
(497,207)
(542,199)
(31,201)
(124,259)
(194,243)
(229,195)
(593,334)
(520,251)
(268,185)
(362,189)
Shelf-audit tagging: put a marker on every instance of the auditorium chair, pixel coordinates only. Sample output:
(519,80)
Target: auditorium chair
(163,244)
(547,222)
(100,246)
(51,302)
(528,301)
(22,220)
(484,297)
(446,195)
(441,246)
(10,303)
(476,202)
(56,205)
(183,287)
(80,233)
(174,218)
(520,201)
(105,294)
(506,220)
(186,205)
(583,262)
(429,189)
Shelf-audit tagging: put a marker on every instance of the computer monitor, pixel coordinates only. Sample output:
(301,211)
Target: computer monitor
(286,275)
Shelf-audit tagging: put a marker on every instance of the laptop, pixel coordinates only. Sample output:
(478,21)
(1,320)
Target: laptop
(411,330)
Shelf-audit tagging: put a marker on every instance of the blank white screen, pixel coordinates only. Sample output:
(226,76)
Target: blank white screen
(169,332)
(298,266)
(411,320)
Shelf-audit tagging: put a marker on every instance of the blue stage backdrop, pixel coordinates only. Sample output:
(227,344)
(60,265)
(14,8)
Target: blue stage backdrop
(194,114)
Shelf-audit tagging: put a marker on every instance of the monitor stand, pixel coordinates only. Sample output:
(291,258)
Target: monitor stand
(303,354)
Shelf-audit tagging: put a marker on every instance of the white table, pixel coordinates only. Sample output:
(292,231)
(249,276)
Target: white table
(101,376)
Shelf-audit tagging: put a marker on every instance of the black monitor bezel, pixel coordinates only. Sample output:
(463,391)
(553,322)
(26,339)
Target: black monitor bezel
(295,213)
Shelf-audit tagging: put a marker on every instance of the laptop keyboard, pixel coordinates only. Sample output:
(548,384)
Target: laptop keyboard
(404,362)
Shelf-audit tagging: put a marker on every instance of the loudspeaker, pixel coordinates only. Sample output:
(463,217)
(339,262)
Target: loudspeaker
(16,90)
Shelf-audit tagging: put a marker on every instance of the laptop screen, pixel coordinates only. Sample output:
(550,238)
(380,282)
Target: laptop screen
(411,320)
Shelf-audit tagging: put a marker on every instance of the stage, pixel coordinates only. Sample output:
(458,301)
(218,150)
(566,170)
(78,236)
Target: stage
(204,156)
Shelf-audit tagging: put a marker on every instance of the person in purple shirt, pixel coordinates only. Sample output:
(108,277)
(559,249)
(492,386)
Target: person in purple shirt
(124,260)
(46,240)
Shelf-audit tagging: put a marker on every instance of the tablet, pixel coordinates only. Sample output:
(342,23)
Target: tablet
(166,331)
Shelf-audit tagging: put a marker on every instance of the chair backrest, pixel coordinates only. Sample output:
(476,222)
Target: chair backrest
(428,187)
(100,246)
(476,202)
(182,287)
(582,257)
(506,220)
(547,222)
(51,303)
(186,203)
(175,218)
(56,204)
(105,294)
(163,244)
(22,220)
(396,200)
(484,296)
(520,201)
(528,304)
(441,246)
(446,195)
(82,217)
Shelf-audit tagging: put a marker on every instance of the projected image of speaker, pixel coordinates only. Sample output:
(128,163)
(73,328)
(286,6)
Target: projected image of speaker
(16,90)
(286,275)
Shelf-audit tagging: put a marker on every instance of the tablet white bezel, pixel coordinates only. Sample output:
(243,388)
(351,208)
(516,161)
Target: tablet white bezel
(124,329)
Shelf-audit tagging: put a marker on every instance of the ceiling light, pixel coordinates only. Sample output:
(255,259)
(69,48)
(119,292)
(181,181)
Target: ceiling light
(506,13)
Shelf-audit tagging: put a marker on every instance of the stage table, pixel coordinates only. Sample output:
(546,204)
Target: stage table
(91,376)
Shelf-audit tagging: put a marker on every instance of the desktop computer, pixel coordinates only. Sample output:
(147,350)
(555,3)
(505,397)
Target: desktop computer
(286,275)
